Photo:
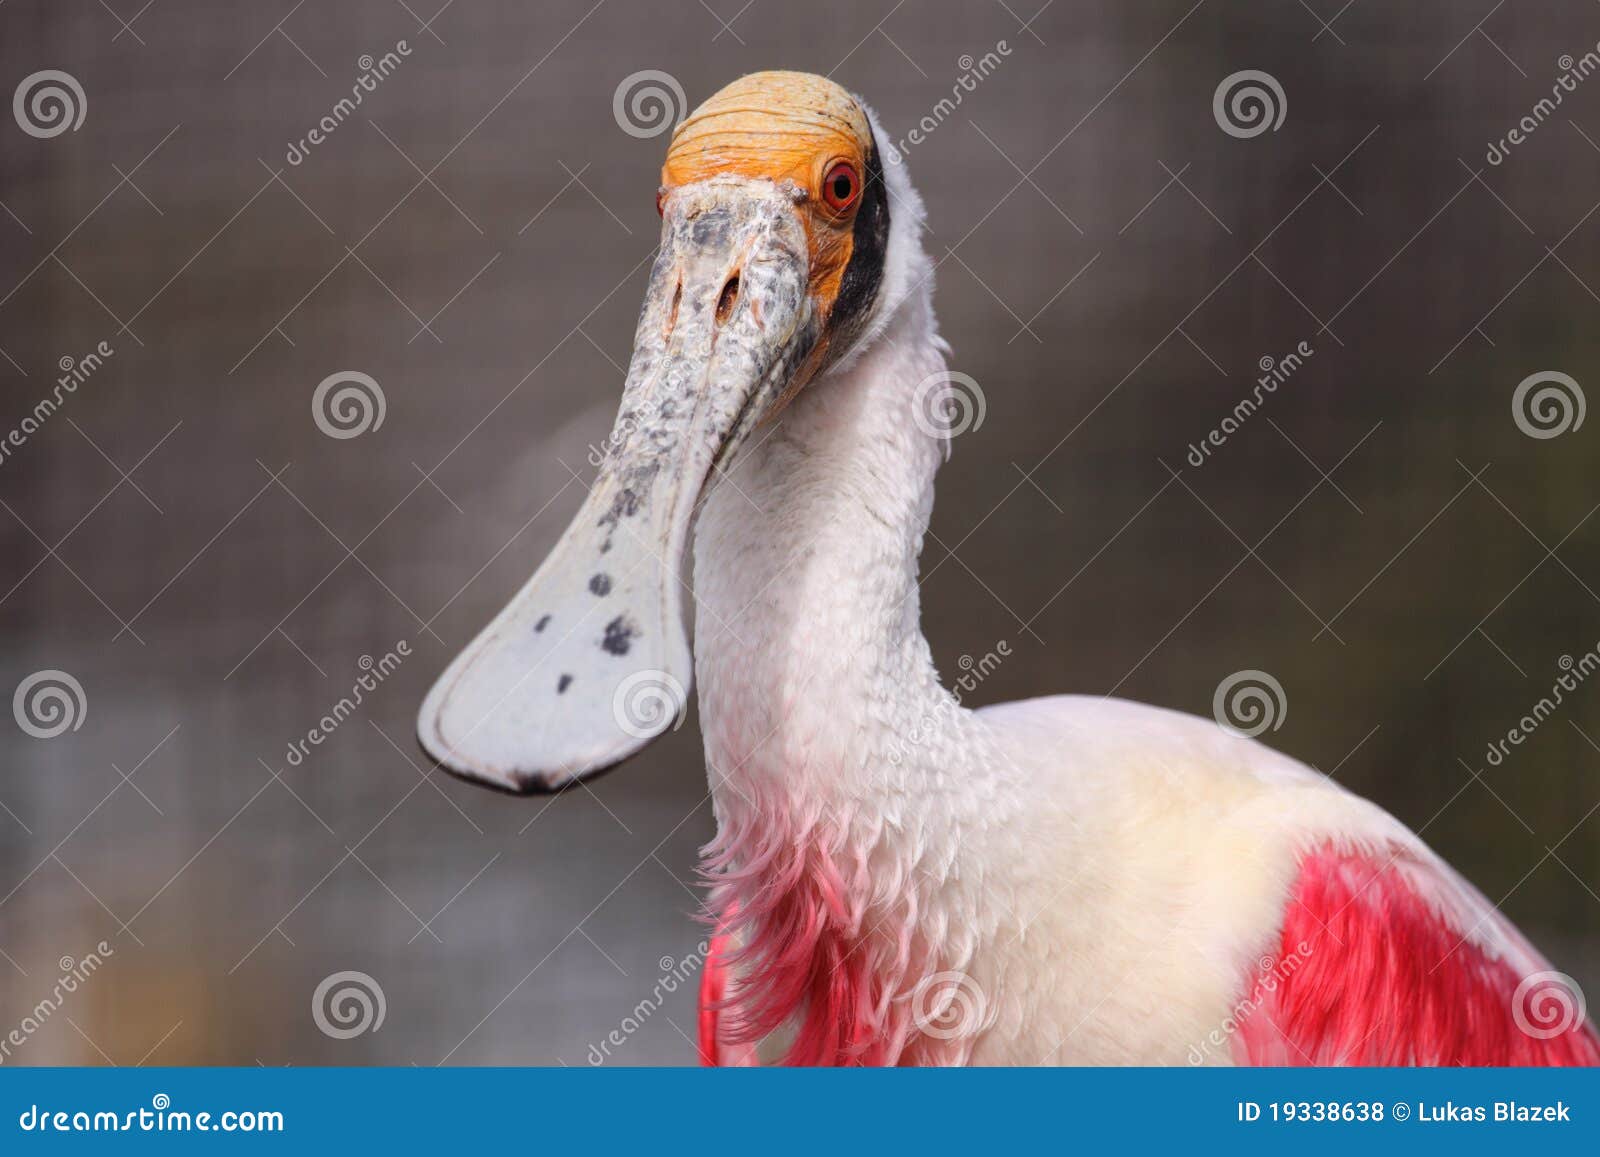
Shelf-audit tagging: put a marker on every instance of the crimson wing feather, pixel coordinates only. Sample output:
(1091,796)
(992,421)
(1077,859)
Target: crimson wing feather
(1395,961)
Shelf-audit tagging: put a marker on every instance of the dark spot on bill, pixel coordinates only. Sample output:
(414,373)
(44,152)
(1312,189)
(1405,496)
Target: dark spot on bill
(619,636)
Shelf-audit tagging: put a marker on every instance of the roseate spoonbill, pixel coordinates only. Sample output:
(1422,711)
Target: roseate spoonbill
(897,879)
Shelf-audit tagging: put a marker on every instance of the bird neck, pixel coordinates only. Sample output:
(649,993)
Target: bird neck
(840,767)
(809,649)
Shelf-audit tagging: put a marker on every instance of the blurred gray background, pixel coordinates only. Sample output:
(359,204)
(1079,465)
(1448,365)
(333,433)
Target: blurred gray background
(183,540)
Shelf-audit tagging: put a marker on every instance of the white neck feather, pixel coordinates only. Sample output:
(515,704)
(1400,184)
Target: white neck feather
(845,777)
(809,649)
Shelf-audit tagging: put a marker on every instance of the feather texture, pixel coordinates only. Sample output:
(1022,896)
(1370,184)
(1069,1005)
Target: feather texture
(898,879)
(1384,977)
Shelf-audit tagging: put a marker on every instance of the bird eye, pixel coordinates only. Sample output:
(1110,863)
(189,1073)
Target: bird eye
(841,186)
(661,201)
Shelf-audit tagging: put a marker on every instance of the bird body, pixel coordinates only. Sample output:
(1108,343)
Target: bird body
(1154,890)
(1071,880)
(896,878)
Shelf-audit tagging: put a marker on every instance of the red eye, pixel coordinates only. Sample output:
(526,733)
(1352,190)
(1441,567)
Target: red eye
(661,201)
(841,186)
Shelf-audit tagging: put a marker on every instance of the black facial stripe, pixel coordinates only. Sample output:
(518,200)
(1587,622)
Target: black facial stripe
(858,288)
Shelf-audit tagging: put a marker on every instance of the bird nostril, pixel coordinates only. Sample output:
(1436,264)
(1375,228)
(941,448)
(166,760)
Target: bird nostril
(672,313)
(728,299)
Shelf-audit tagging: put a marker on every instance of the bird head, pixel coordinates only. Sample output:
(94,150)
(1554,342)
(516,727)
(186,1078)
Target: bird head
(771,269)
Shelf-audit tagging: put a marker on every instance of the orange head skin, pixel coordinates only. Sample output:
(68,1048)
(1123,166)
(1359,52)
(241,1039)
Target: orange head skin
(786,126)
